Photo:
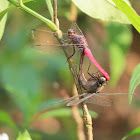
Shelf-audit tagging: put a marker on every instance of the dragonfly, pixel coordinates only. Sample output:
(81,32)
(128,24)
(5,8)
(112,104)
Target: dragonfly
(92,94)
(79,41)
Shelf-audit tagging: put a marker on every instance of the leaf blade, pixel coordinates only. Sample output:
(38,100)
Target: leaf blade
(3,5)
(101,9)
(134,132)
(134,82)
(129,12)
(6,119)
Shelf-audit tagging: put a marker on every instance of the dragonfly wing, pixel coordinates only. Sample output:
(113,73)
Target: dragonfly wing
(76,28)
(55,47)
(102,94)
(96,99)
(69,99)
(76,102)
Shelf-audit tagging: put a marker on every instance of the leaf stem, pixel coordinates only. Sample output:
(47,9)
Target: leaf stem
(48,22)
(50,8)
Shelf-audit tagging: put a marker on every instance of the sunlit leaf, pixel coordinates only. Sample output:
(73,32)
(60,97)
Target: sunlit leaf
(6,119)
(3,5)
(24,136)
(101,9)
(64,112)
(134,132)
(129,12)
(134,82)
(2,13)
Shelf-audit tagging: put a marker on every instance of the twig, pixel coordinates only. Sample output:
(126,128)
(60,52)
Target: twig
(55,13)
(88,121)
(78,119)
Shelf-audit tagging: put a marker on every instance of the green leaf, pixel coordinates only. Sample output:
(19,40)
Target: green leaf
(134,132)
(129,12)
(101,9)
(6,119)
(64,112)
(24,136)
(119,41)
(3,12)
(3,5)
(23,83)
(134,82)
(117,62)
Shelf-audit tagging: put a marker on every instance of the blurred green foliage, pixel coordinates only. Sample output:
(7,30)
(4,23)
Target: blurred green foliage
(24,72)
(134,132)
(134,82)
(24,136)
(119,41)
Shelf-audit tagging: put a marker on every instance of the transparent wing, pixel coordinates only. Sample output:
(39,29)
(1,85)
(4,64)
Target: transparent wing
(69,99)
(43,37)
(96,99)
(46,42)
(102,94)
(76,28)
(46,32)
(76,102)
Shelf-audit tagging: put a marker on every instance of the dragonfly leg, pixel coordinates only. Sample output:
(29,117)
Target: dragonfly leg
(93,77)
(33,33)
(72,53)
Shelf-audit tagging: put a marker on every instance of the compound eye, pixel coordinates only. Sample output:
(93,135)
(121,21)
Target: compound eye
(102,80)
(73,32)
(69,31)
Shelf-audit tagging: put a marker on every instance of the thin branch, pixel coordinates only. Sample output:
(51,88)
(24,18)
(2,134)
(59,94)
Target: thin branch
(55,13)
(88,121)
(78,119)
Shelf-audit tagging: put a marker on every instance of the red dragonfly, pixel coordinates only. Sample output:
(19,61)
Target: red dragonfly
(80,42)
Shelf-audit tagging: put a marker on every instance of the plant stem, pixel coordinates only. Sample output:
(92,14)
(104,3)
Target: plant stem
(55,12)
(88,121)
(78,119)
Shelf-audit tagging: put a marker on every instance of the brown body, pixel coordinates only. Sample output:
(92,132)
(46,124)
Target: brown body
(94,86)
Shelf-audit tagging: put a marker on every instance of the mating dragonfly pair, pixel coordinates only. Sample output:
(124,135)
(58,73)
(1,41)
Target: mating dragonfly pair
(97,83)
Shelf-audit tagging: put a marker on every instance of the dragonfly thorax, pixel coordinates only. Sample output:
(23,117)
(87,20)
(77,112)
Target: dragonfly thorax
(96,85)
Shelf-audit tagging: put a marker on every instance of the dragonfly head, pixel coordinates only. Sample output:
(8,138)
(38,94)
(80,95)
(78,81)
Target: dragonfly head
(71,32)
(102,80)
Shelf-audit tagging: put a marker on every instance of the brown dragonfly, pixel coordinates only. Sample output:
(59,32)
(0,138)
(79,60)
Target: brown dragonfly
(93,88)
